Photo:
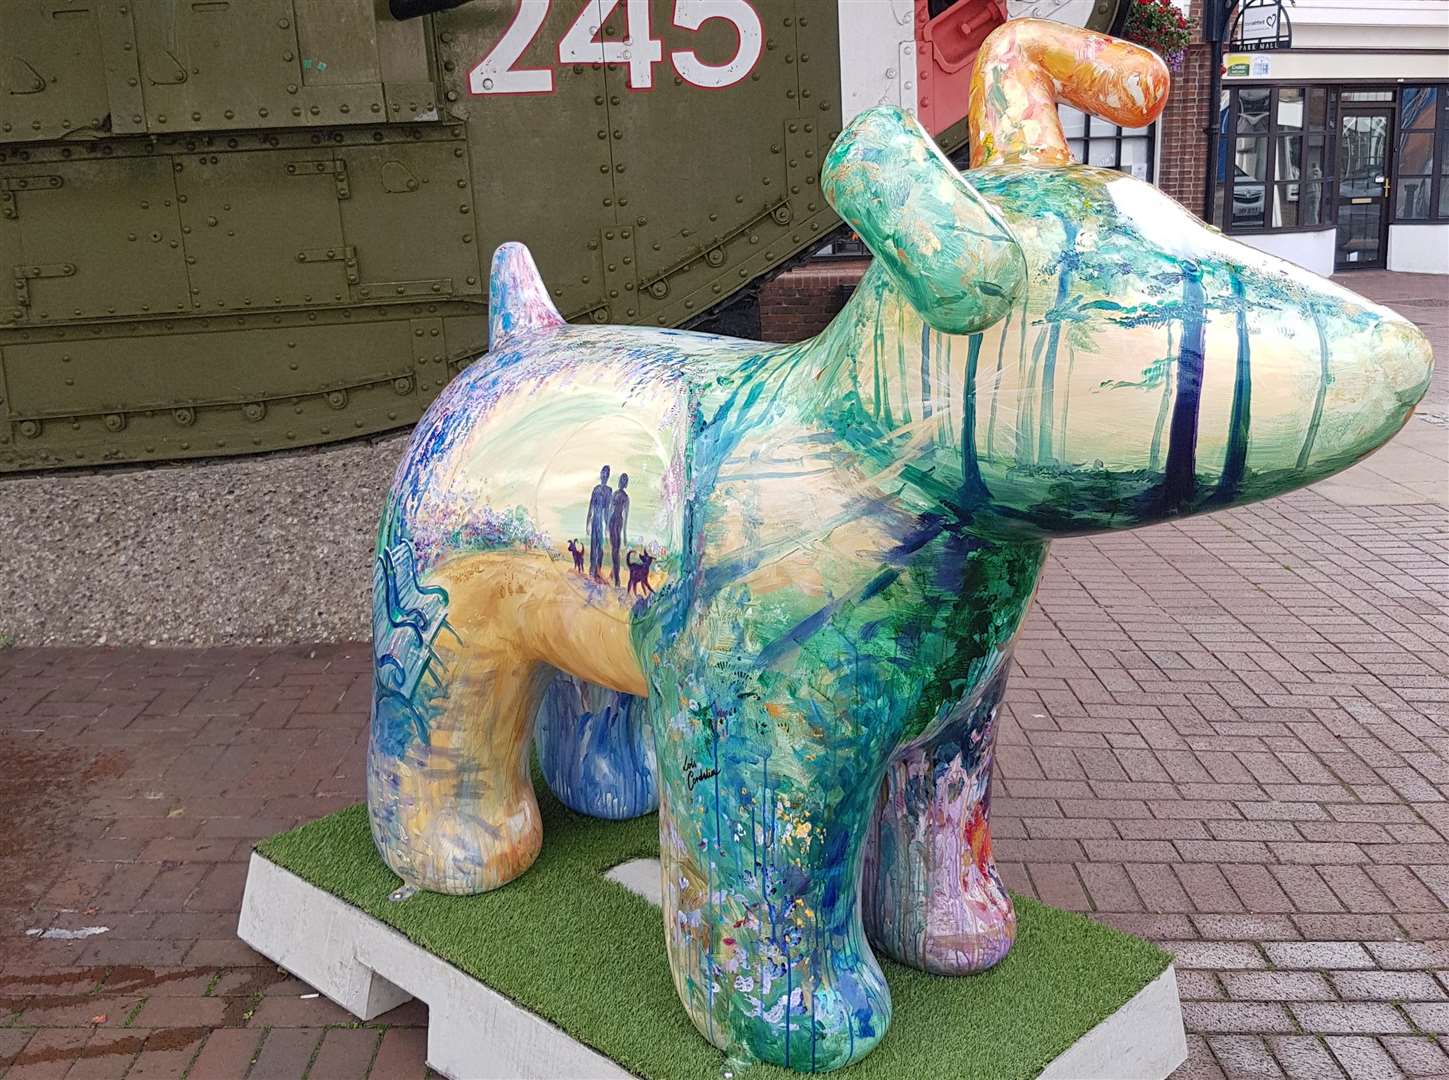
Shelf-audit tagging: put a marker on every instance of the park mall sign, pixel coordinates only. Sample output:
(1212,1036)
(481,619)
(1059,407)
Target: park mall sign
(1261,26)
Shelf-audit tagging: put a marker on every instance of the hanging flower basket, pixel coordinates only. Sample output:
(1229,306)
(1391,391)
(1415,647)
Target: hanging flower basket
(1161,26)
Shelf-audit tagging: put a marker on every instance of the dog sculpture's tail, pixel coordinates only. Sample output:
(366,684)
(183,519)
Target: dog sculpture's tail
(1028,65)
(518,302)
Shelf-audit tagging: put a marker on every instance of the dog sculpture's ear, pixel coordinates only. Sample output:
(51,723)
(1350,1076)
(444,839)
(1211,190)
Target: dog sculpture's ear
(946,249)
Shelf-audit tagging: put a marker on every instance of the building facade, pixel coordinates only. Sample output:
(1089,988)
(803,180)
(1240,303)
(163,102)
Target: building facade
(1333,153)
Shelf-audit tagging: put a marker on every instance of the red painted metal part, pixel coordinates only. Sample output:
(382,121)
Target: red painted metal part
(945,49)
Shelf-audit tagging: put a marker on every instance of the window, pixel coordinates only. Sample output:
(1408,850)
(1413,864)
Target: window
(1423,154)
(1094,141)
(844,245)
(1276,167)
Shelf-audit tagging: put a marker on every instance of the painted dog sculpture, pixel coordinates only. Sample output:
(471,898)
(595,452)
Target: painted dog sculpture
(845,535)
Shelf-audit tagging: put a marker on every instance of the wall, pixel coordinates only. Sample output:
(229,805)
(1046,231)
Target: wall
(1311,250)
(1183,154)
(800,303)
(1419,249)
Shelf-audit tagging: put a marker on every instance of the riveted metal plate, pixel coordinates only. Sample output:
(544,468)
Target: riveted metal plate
(222,304)
(216,65)
(114,221)
(339,376)
(247,216)
(693,202)
(412,217)
(52,70)
(540,163)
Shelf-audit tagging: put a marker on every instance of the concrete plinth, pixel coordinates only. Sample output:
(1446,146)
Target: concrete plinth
(475,1033)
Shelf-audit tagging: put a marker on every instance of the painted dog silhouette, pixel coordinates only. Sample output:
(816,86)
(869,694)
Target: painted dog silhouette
(639,572)
(850,532)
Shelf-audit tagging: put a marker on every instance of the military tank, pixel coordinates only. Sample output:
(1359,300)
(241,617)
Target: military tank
(231,227)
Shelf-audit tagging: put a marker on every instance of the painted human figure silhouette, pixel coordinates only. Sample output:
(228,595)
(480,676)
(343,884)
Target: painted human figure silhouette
(577,551)
(618,523)
(596,520)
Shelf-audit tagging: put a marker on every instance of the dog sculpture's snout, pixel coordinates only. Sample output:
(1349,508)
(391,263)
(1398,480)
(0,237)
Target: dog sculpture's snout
(1405,357)
(1398,363)
(1356,372)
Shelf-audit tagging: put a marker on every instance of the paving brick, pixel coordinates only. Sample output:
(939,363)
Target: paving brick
(48,1053)
(400,1055)
(227,1054)
(1417,1055)
(1109,887)
(1429,1017)
(1200,1063)
(1239,1017)
(279,1011)
(102,1059)
(167,1054)
(1277,986)
(1207,888)
(1306,890)
(1199,986)
(1318,954)
(1216,955)
(346,1054)
(1387,986)
(1352,1018)
(1346,927)
(1244,1056)
(286,1053)
(1246,927)
(1304,1057)
(1057,884)
(1409,955)
(1158,887)
(12,1042)
(173,1011)
(1363,1059)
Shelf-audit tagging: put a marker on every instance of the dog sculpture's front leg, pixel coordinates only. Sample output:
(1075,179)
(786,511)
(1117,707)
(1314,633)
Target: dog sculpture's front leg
(767,792)
(933,899)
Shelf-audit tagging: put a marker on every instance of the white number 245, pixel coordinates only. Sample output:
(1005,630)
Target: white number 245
(496,73)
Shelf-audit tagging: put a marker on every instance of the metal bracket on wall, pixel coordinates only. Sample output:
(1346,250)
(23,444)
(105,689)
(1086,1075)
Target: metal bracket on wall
(9,185)
(802,166)
(410,102)
(430,356)
(337,167)
(345,254)
(404,290)
(25,272)
(621,272)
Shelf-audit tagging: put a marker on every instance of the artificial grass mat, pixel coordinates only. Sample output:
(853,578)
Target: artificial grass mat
(588,955)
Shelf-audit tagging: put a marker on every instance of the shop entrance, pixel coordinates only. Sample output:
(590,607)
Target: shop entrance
(1365,142)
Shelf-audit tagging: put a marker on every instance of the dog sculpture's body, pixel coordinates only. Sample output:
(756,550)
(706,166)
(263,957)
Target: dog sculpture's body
(850,532)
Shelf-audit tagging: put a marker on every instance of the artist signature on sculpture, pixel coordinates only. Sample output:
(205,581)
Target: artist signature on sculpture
(694,775)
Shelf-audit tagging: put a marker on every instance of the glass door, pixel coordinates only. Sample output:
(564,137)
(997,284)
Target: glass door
(1365,137)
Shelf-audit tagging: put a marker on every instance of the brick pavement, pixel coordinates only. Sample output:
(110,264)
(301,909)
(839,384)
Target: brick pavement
(1230,735)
